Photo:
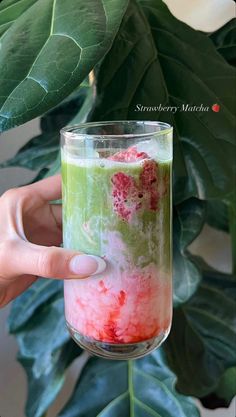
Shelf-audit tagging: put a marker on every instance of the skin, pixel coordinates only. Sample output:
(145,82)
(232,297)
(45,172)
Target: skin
(30,233)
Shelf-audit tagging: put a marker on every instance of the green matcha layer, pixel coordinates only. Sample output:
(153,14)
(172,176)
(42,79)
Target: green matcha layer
(132,199)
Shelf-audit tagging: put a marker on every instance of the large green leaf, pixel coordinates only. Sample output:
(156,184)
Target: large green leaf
(232,226)
(39,176)
(155,60)
(80,116)
(142,388)
(64,112)
(10,10)
(45,349)
(189,218)
(225,41)
(49,56)
(201,345)
(38,153)
(43,334)
(25,306)
(227,386)
(218,214)
(42,150)
(43,390)
(224,393)
(55,167)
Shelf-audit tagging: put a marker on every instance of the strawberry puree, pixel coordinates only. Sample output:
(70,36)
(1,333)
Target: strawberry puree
(128,308)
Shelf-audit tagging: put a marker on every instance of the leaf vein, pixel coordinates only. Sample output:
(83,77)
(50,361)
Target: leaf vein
(163,386)
(211,316)
(147,408)
(112,403)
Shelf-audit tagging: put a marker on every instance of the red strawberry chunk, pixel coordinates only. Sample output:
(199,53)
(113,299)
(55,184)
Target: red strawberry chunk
(148,180)
(123,192)
(129,155)
(130,196)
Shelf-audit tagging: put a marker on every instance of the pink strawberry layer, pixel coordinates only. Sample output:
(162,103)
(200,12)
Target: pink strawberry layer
(125,308)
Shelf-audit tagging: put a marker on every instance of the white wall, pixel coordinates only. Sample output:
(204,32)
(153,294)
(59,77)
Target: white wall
(205,15)
(215,246)
(10,142)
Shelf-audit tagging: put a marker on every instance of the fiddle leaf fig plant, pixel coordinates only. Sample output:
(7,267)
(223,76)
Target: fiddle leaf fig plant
(146,65)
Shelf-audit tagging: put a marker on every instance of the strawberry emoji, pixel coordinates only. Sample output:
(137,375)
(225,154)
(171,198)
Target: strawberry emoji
(215,107)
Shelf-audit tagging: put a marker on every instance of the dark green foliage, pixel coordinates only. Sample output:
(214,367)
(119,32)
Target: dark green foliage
(147,59)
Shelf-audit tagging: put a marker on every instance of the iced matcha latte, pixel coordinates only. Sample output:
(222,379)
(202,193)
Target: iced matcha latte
(117,204)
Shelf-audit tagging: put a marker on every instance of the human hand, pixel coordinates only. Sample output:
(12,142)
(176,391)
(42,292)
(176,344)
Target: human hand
(30,231)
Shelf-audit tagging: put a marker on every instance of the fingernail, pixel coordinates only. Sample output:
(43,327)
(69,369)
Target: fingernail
(87,265)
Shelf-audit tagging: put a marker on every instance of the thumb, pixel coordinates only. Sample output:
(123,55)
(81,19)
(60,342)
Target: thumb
(50,262)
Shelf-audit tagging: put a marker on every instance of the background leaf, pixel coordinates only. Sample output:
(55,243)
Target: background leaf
(48,57)
(83,112)
(10,10)
(188,221)
(45,348)
(218,215)
(25,306)
(48,320)
(156,59)
(42,150)
(201,345)
(142,388)
(225,41)
(43,390)
(227,386)
(224,393)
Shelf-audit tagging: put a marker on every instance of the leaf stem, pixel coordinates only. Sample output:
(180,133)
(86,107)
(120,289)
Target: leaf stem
(131,388)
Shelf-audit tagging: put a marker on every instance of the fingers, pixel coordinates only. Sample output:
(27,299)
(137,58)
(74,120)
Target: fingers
(49,189)
(49,262)
(15,288)
(56,211)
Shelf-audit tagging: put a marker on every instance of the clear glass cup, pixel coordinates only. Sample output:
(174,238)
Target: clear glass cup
(117,205)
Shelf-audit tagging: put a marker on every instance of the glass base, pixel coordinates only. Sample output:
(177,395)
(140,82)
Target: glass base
(117,351)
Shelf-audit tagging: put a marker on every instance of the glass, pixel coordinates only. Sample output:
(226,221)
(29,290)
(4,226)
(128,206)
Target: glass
(117,205)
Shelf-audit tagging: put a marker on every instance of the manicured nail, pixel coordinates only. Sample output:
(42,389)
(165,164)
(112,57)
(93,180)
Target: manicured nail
(87,265)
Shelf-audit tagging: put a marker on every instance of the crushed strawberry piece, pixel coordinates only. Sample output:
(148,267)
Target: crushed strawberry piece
(148,180)
(123,191)
(128,155)
(129,196)
(122,297)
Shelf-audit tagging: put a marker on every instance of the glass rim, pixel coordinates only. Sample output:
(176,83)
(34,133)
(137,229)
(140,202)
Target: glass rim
(69,130)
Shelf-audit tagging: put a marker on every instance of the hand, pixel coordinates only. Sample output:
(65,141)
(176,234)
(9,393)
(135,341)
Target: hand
(30,231)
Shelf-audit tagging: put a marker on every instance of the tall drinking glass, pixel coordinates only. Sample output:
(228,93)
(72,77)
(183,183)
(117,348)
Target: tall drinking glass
(117,205)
